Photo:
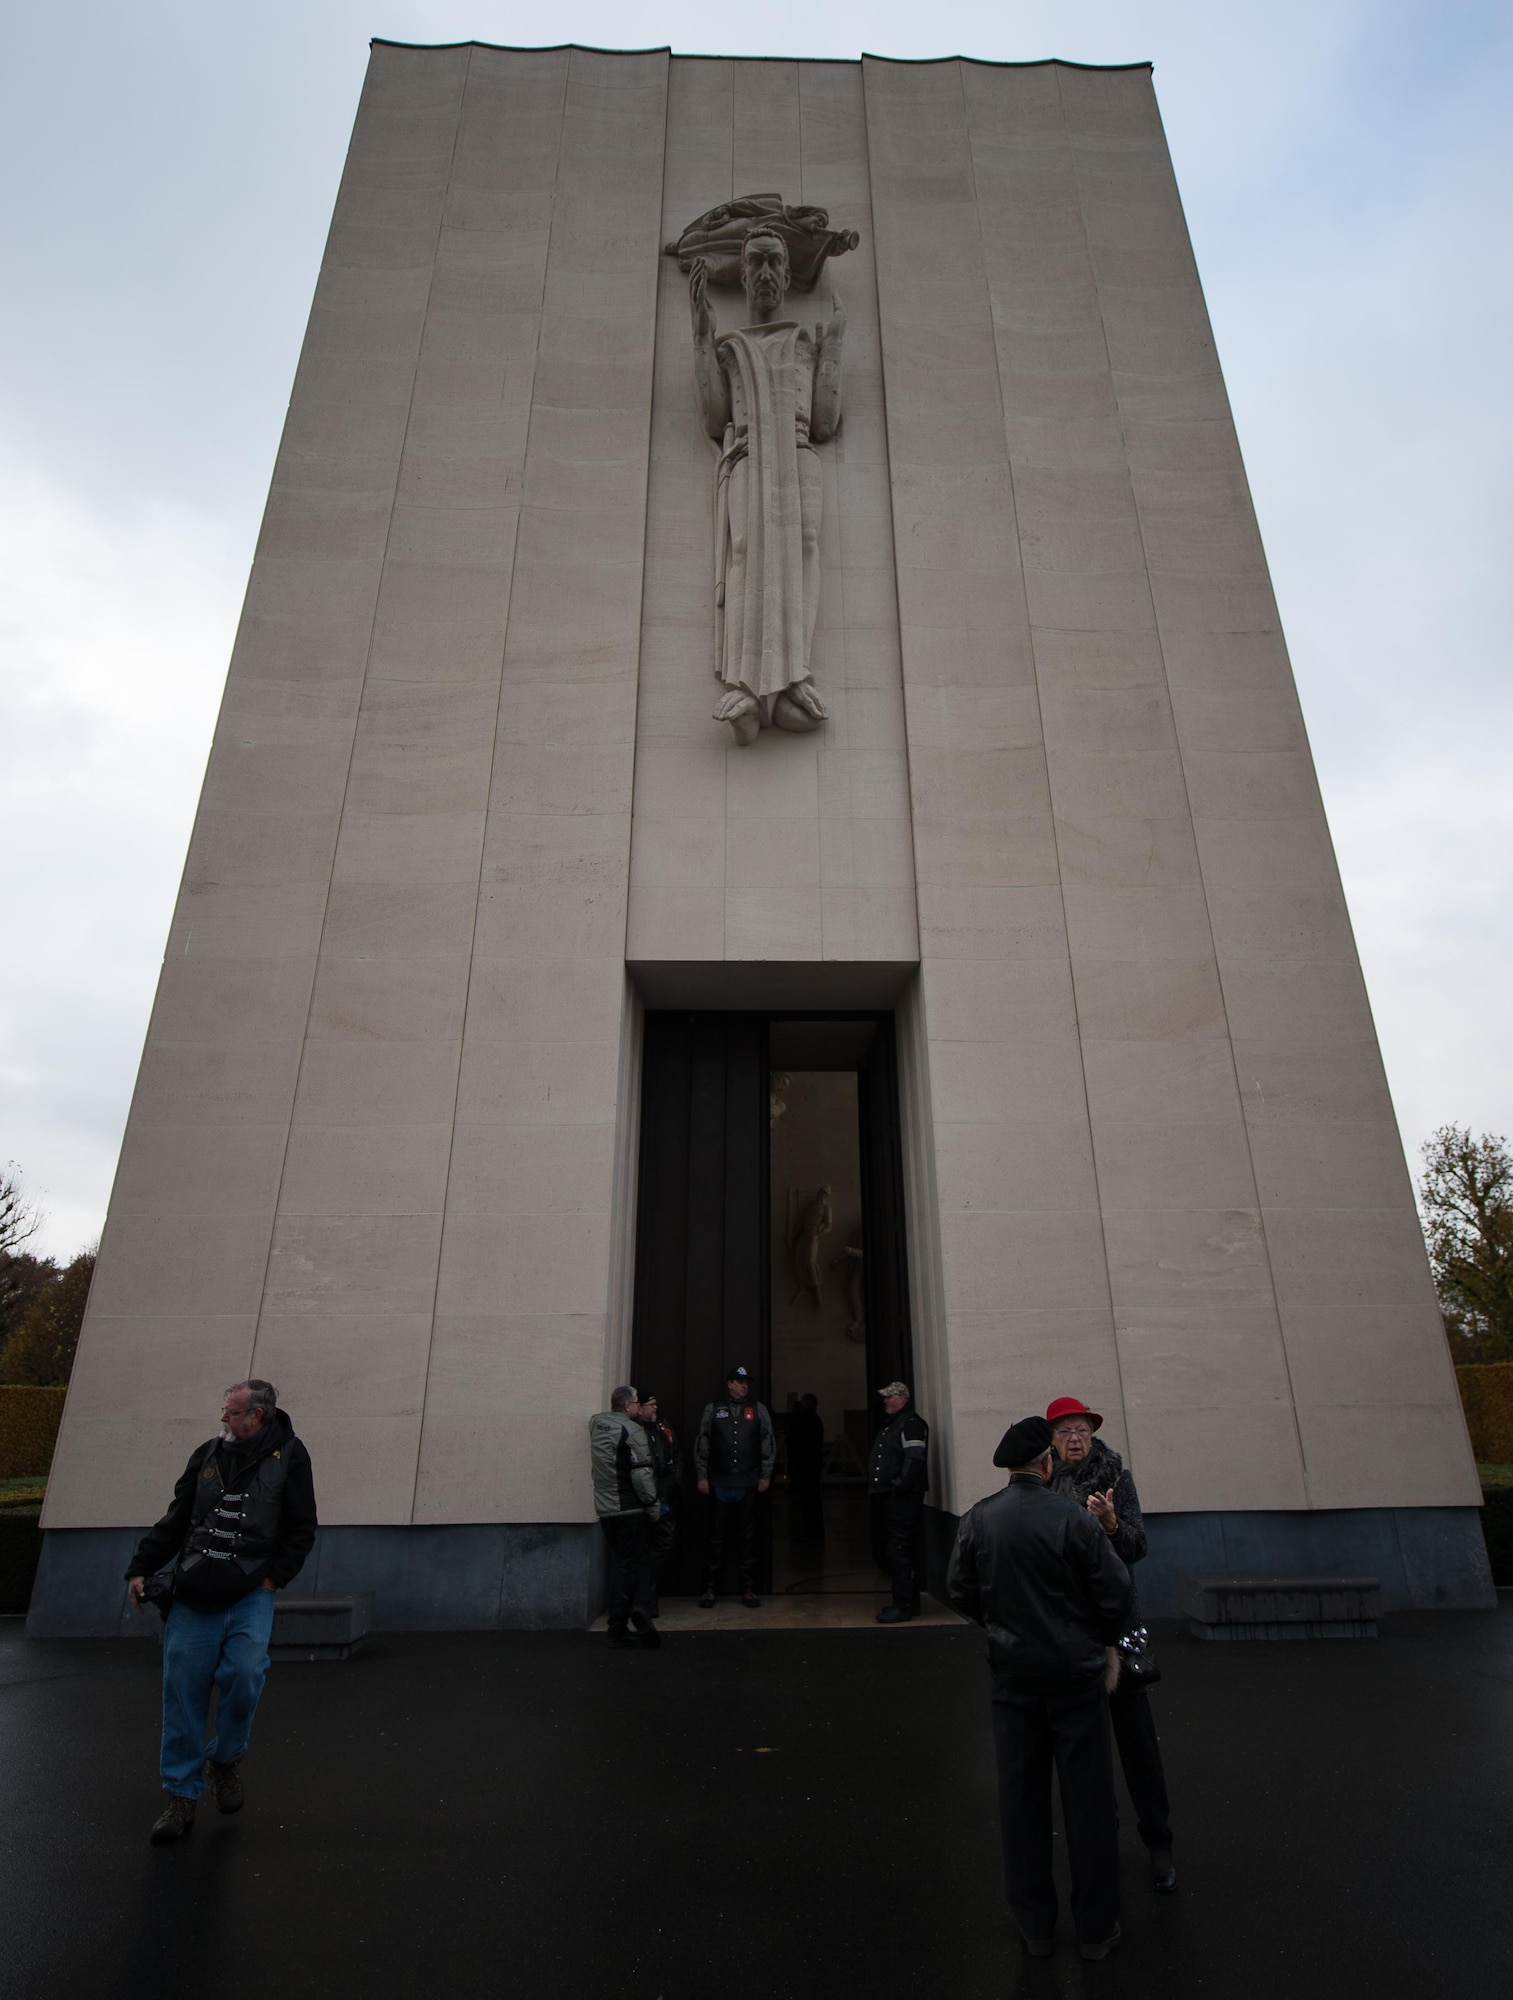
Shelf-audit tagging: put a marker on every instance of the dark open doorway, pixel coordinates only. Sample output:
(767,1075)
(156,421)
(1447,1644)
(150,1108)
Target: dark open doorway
(715,1237)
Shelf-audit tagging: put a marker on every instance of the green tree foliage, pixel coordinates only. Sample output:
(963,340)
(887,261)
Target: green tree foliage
(22,1278)
(41,1350)
(1466,1199)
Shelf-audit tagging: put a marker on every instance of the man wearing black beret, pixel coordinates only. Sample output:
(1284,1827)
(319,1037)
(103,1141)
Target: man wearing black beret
(1041,1577)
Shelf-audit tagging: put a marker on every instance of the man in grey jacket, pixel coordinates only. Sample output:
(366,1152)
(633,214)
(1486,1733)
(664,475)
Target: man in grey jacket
(627,1503)
(1041,1577)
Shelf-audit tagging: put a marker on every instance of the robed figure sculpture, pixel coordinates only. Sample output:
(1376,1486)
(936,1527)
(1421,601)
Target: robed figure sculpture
(768,393)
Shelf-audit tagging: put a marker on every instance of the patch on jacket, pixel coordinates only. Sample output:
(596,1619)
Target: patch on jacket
(749,1415)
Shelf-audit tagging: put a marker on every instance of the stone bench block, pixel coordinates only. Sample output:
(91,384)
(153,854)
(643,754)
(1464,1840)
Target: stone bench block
(321,1628)
(1281,1607)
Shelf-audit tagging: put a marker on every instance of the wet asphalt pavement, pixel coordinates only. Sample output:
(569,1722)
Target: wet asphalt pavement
(750,1816)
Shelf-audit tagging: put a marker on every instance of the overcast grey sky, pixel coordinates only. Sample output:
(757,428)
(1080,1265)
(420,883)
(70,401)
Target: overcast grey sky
(166,177)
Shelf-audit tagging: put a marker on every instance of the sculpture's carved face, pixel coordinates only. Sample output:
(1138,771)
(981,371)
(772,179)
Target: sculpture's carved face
(764,273)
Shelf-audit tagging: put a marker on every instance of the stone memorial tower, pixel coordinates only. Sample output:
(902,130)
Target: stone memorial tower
(759,579)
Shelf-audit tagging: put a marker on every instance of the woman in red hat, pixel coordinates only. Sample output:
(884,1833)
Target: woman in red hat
(1095,1476)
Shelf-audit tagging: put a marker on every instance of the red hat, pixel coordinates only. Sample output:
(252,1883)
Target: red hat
(1068,1406)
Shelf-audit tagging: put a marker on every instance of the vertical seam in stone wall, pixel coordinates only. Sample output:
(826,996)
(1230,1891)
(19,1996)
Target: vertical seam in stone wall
(930,1276)
(651,410)
(488,808)
(357,718)
(1092,263)
(1008,461)
(903,691)
(625,1179)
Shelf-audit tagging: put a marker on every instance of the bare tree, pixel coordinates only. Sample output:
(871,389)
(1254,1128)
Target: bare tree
(1466,1200)
(19,1218)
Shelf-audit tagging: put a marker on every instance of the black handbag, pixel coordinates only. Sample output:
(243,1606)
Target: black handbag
(158,1589)
(1138,1666)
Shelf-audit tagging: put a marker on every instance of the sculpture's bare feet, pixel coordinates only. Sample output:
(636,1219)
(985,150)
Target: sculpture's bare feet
(799,707)
(742,711)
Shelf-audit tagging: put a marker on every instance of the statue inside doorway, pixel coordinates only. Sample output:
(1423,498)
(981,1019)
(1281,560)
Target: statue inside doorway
(768,392)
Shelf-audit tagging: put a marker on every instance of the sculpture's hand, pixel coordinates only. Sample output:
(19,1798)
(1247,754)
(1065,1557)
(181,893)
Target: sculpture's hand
(835,332)
(698,304)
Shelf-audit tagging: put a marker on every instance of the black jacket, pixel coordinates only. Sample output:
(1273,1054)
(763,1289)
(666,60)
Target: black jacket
(735,1444)
(900,1460)
(224,1467)
(666,1459)
(1040,1575)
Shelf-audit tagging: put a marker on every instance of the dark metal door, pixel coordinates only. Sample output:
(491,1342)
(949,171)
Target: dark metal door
(701,1231)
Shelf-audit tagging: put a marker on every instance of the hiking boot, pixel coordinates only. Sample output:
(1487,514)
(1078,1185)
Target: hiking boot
(173,1822)
(225,1782)
(646,1632)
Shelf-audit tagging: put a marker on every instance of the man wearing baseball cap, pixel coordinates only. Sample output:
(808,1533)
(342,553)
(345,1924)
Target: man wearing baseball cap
(897,1480)
(1041,1577)
(733,1454)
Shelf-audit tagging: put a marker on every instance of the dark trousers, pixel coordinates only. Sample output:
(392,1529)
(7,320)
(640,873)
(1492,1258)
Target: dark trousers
(1071,1731)
(744,1512)
(1129,1710)
(660,1536)
(626,1535)
(898,1544)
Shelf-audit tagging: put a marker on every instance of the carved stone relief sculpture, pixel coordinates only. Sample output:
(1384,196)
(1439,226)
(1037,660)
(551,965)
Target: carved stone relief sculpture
(815,1220)
(768,393)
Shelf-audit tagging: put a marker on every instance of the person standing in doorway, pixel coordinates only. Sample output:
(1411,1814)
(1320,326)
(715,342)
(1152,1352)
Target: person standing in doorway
(239,1528)
(1041,1577)
(667,1465)
(897,1480)
(626,1502)
(806,1467)
(733,1455)
(1093,1475)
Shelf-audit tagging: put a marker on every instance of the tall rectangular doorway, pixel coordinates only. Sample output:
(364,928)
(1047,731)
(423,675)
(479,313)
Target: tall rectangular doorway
(770,1234)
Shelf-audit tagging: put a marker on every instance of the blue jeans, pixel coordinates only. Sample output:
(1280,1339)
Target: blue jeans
(203,1650)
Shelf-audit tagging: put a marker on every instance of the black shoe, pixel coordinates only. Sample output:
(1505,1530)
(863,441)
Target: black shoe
(1163,1872)
(1096,1951)
(225,1782)
(750,1599)
(706,1599)
(619,1639)
(1036,1947)
(895,1614)
(173,1822)
(646,1632)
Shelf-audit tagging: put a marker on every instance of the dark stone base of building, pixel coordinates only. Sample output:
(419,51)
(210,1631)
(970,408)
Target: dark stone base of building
(487,1577)
(1425,1558)
(545,1576)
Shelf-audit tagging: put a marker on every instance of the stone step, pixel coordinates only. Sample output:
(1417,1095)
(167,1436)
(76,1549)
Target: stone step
(1281,1607)
(320,1628)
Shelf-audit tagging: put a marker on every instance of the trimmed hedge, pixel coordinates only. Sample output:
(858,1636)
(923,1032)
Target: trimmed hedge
(29,1419)
(1486,1394)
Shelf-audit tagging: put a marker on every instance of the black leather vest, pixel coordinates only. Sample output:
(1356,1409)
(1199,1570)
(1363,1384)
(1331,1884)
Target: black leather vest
(735,1439)
(237,1524)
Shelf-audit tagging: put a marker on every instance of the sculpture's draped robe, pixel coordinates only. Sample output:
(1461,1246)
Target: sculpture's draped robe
(761,631)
